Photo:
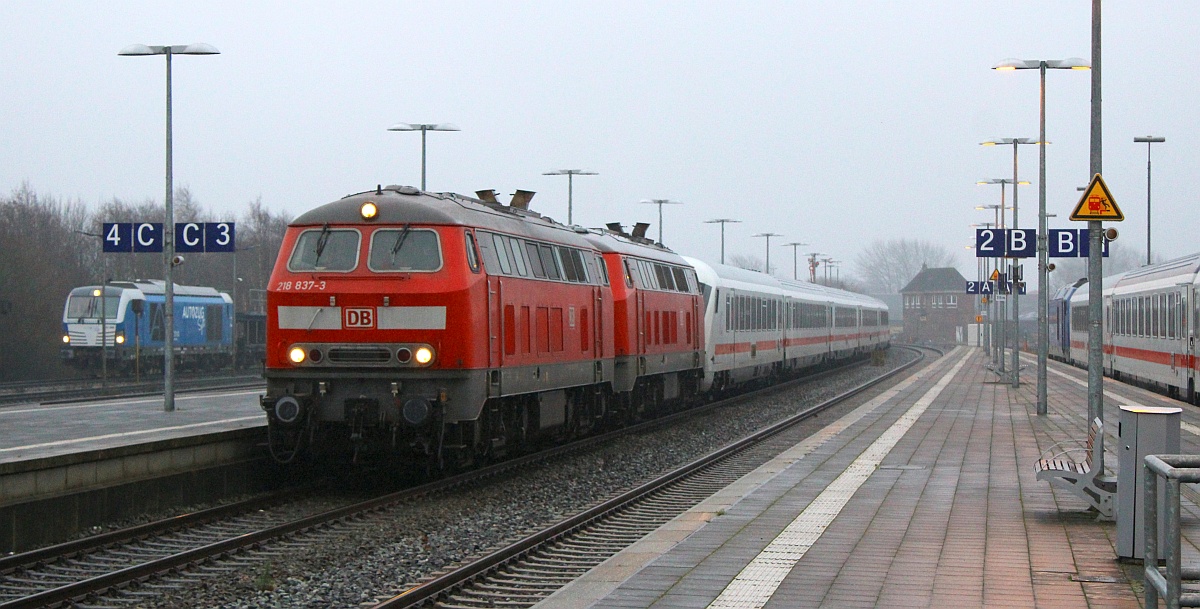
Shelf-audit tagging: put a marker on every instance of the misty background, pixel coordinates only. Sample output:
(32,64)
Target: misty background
(852,127)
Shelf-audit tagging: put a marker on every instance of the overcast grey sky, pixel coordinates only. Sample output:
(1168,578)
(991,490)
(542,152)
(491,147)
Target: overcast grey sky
(833,123)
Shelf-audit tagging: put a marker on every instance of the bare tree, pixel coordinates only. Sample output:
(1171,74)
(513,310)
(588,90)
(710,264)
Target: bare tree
(746,261)
(886,266)
(42,259)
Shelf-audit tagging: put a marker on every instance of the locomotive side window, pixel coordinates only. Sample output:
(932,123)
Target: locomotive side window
(501,254)
(570,273)
(535,260)
(514,247)
(629,273)
(549,263)
(405,250)
(603,270)
(472,259)
(327,249)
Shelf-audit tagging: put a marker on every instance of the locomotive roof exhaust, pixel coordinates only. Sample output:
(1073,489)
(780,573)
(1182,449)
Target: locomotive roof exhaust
(639,230)
(487,195)
(521,199)
(616,228)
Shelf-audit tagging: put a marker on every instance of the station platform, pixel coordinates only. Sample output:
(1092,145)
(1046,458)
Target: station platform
(36,431)
(924,496)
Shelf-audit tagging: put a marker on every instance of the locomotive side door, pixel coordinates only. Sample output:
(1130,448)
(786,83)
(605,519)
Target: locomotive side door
(495,321)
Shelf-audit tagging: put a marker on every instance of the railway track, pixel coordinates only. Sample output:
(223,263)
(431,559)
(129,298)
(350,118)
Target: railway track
(531,569)
(126,566)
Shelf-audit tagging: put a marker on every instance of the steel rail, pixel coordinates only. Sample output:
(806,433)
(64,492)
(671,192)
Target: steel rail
(432,590)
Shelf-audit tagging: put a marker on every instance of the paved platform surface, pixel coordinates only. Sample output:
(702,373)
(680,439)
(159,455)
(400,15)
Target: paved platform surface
(33,432)
(924,497)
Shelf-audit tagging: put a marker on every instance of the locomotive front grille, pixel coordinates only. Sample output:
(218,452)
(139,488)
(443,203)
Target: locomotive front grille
(359,355)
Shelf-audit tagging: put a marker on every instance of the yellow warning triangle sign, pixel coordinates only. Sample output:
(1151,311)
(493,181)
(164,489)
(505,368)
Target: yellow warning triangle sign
(1097,203)
(995,275)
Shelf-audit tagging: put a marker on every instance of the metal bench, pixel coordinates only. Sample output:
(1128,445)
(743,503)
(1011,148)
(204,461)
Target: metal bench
(1081,477)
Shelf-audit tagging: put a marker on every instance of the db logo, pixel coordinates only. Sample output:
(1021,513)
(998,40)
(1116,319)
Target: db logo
(359,318)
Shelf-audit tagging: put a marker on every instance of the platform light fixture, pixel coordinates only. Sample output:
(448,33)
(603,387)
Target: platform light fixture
(660,203)
(571,173)
(137,50)
(423,127)
(795,259)
(768,236)
(1041,65)
(1148,140)
(722,222)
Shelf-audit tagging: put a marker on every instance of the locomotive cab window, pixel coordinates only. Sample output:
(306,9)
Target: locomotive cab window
(82,305)
(325,249)
(406,250)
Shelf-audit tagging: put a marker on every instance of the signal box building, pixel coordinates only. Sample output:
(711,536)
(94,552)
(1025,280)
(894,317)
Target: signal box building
(936,309)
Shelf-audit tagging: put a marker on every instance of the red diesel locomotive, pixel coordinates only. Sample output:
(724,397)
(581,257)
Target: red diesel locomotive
(456,329)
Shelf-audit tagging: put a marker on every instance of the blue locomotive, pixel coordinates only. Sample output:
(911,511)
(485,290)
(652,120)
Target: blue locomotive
(133,328)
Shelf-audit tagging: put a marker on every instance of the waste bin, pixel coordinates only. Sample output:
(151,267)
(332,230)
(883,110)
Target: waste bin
(1143,430)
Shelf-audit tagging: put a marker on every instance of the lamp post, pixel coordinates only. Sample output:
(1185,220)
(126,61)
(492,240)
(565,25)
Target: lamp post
(1015,297)
(768,236)
(827,261)
(1015,142)
(1041,65)
(997,316)
(660,203)
(137,50)
(1149,139)
(722,222)
(795,262)
(423,127)
(985,274)
(570,173)
(236,281)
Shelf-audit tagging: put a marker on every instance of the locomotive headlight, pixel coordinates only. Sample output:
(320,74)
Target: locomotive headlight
(424,355)
(66,339)
(120,339)
(368,210)
(297,355)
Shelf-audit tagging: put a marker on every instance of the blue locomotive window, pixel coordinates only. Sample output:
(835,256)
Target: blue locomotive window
(325,249)
(405,250)
(86,306)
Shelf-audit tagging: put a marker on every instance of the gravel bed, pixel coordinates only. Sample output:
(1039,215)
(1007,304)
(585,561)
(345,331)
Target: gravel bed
(375,557)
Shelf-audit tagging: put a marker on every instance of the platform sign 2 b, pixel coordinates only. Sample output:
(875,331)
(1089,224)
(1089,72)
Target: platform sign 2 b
(1071,243)
(1005,243)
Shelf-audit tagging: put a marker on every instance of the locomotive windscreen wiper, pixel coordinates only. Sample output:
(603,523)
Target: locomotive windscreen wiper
(321,241)
(400,241)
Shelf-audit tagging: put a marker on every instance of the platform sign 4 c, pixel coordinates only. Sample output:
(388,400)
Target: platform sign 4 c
(1097,203)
